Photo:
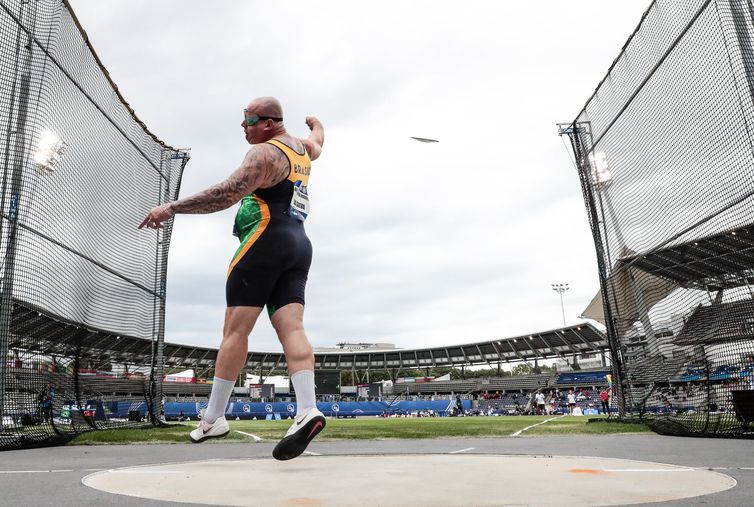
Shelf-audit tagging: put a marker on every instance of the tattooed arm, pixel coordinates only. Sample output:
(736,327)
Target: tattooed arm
(255,171)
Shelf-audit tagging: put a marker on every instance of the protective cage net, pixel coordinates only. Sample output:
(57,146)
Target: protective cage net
(82,294)
(665,153)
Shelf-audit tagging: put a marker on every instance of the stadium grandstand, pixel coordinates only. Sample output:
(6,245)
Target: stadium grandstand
(260,398)
(115,372)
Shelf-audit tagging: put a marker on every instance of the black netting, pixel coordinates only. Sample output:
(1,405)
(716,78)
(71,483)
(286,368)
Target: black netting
(82,299)
(665,152)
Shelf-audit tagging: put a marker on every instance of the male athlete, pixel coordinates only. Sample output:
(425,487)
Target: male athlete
(270,266)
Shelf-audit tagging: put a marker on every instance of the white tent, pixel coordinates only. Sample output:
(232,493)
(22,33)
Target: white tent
(280,382)
(183,376)
(632,292)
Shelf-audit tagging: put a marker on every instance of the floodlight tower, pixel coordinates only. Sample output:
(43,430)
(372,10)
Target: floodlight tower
(14,163)
(595,176)
(560,288)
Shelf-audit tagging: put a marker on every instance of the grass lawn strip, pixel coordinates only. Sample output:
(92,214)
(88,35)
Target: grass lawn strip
(576,425)
(371,429)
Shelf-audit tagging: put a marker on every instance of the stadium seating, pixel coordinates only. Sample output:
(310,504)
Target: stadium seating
(523,382)
(526,382)
(186,389)
(586,377)
(454,386)
(656,369)
(508,402)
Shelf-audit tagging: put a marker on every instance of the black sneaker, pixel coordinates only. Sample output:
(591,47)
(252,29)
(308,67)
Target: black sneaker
(303,430)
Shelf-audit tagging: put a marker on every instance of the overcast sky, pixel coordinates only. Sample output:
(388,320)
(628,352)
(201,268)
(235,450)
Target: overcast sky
(414,244)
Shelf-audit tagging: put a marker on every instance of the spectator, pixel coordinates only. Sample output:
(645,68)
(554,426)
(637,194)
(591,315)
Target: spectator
(540,399)
(605,399)
(40,398)
(666,404)
(571,402)
(45,405)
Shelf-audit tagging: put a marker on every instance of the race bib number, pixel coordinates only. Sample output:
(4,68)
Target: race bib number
(299,208)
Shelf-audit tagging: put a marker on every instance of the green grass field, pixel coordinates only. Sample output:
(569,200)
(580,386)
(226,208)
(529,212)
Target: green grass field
(373,429)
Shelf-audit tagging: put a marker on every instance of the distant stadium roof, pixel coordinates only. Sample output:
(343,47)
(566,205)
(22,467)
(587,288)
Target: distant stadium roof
(53,336)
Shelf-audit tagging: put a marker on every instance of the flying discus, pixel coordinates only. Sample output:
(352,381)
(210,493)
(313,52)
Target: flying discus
(425,140)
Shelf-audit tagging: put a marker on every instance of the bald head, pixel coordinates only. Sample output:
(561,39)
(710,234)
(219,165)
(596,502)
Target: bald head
(266,106)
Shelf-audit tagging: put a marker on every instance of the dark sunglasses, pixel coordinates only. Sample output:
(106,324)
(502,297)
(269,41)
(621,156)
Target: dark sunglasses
(252,119)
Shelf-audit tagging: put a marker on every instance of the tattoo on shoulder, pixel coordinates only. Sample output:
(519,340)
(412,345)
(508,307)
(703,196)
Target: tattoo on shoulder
(278,165)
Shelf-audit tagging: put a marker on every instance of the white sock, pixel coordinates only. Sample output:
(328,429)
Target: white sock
(218,399)
(303,384)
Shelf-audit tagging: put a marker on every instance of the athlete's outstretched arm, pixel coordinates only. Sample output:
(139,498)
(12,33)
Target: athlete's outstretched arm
(252,174)
(316,137)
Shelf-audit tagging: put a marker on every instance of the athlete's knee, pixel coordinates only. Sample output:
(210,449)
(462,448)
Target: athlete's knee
(293,338)
(233,346)
(304,347)
(233,336)
(296,347)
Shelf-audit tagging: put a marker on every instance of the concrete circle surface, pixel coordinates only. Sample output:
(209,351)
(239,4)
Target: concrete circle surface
(417,480)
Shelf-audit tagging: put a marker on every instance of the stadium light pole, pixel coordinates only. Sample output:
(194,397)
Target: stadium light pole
(580,135)
(14,163)
(560,288)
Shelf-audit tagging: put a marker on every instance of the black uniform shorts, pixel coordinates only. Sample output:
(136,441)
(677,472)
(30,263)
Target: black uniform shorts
(274,270)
